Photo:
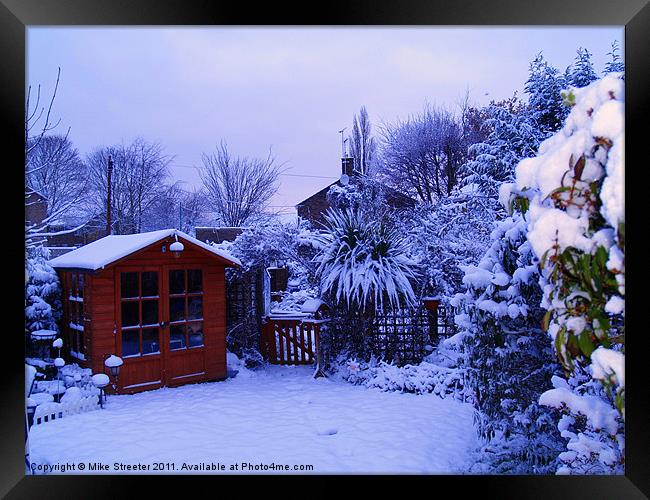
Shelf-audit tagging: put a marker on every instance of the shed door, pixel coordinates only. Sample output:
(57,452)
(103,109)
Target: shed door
(184,342)
(139,337)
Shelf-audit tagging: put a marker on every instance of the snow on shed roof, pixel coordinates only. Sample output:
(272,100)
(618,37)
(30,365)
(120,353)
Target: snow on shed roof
(312,305)
(108,249)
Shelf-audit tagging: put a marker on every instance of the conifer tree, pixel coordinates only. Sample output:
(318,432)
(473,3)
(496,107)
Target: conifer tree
(582,72)
(544,86)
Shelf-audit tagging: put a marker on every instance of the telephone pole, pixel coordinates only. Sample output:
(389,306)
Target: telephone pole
(108,198)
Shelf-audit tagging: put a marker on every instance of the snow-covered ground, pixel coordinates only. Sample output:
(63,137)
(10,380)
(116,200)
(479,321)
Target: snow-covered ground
(277,416)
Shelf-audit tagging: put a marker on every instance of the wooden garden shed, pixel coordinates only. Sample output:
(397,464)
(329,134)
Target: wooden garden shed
(156,299)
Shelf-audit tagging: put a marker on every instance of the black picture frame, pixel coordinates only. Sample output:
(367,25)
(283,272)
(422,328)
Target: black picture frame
(17,15)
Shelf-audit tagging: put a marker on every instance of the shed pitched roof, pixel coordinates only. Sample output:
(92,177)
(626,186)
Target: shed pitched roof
(105,251)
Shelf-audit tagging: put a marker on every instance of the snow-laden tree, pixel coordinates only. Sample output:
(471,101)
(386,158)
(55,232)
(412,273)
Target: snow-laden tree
(363,147)
(453,232)
(52,168)
(364,263)
(511,135)
(616,64)
(573,197)
(42,293)
(581,73)
(422,156)
(238,188)
(57,172)
(277,243)
(507,359)
(139,180)
(544,86)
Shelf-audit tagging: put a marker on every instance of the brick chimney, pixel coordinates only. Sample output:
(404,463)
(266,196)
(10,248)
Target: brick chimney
(347,166)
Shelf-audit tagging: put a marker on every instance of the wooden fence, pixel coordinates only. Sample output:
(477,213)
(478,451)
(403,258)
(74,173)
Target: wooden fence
(290,340)
(401,336)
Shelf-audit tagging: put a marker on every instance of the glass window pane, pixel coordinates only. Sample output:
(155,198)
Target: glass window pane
(130,342)
(130,316)
(150,341)
(195,333)
(80,291)
(177,309)
(176,282)
(129,285)
(72,311)
(176,337)
(149,284)
(73,284)
(194,281)
(195,308)
(82,347)
(150,312)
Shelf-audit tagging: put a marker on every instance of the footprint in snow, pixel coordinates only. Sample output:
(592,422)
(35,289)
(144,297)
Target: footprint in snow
(326,431)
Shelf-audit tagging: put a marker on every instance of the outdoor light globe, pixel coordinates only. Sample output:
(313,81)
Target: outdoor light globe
(113,363)
(176,248)
(100,380)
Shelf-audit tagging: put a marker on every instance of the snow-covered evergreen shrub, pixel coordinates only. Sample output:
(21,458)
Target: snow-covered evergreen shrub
(276,243)
(582,72)
(365,194)
(42,293)
(572,195)
(364,263)
(507,357)
(512,135)
(616,64)
(423,378)
(544,86)
(454,231)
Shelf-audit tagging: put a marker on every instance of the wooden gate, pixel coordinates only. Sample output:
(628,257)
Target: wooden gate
(290,341)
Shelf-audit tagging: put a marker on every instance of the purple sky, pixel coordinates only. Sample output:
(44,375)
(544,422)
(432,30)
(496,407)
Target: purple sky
(292,88)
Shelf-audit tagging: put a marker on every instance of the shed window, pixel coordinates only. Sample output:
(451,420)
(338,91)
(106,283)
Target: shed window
(140,313)
(185,308)
(76,318)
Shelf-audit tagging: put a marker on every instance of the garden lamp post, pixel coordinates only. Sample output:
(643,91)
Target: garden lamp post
(113,363)
(58,344)
(59,363)
(100,380)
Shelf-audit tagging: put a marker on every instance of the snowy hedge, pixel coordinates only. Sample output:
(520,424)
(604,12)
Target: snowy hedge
(423,378)
(572,196)
(508,360)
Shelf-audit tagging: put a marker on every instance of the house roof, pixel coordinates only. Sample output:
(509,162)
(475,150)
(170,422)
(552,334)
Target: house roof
(325,189)
(392,193)
(105,251)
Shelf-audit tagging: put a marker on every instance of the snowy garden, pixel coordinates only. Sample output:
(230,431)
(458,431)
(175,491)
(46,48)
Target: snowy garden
(479,330)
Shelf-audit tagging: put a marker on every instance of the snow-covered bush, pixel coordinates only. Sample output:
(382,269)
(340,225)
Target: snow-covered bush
(423,378)
(364,194)
(453,232)
(544,86)
(512,134)
(276,243)
(572,197)
(508,360)
(364,263)
(42,293)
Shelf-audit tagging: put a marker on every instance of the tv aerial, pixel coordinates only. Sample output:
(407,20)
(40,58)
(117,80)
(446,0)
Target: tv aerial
(343,141)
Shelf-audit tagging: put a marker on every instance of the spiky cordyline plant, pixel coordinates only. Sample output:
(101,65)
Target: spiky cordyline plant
(364,263)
